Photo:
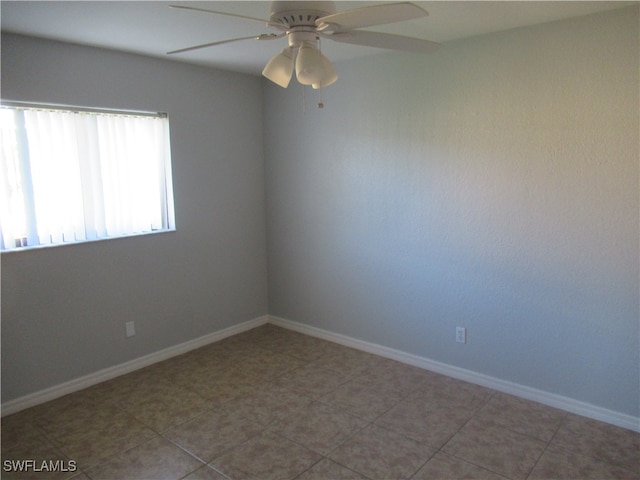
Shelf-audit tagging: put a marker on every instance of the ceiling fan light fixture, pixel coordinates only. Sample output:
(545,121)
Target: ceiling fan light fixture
(309,64)
(280,68)
(329,74)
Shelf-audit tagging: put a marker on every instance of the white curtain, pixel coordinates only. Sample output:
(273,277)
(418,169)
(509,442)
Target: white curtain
(74,176)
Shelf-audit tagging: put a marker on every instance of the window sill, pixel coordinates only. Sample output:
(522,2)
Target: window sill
(29,248)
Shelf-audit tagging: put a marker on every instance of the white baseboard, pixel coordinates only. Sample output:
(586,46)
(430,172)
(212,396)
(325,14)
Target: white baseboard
(546,398)
(74,385)
(551,399)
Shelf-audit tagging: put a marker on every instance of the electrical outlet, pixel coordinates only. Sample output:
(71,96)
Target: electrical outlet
(130,327)
(461,335)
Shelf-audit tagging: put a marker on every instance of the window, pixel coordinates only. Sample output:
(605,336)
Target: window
(73,175)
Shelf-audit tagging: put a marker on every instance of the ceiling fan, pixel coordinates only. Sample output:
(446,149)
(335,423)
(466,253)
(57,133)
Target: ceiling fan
(304,23)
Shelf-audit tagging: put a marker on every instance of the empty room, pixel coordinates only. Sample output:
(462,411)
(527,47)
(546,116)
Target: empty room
(320,240)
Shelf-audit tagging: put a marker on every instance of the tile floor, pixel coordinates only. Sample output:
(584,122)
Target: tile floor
(275,404)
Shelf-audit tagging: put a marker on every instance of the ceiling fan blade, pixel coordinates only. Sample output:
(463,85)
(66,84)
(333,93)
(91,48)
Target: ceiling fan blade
(385,40)
(266,36)
(370,16)
(252,19)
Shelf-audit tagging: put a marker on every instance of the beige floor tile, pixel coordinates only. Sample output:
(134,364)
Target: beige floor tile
(442,390)
(223,386)
(79,476)
(18,450)
(328,470)
(599,440)
(318,427)
(443,466)
(36,446)
(311,381)
(160,415)
(522,416)
(40,471)
(197,370)
(266,456)
(118,389)
(202,366)
(73,412)
(213,433)
(166,371)
(141,389)
(381,454)
(205,473)
(156,459)
(363,400)
(161,405)
(223,352)
(392,374)
(557,463)
(268,403)
(268,365)
(19,427)
(495,448)
(346,360)
(101,438)
(430,423)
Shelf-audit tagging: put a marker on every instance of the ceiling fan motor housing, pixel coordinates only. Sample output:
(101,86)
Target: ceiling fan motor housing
(298,36)
(299,14)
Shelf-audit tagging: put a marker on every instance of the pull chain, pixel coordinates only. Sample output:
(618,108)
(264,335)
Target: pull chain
(320,102)
(304,100)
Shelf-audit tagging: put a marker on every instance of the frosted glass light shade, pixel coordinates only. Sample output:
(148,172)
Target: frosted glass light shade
(280,68)
(329,74)
(309,65)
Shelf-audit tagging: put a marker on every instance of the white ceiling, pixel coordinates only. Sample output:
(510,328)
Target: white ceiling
(152,28)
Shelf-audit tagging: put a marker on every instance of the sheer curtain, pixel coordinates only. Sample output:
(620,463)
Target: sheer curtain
(70,176)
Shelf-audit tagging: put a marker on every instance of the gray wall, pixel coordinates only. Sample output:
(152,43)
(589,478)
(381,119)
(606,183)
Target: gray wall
(64,308)
(492,185)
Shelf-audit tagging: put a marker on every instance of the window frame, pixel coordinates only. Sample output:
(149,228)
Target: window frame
(168,206)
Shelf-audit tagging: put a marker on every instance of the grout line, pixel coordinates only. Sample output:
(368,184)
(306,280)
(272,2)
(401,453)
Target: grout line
(560,425)
(310,467)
